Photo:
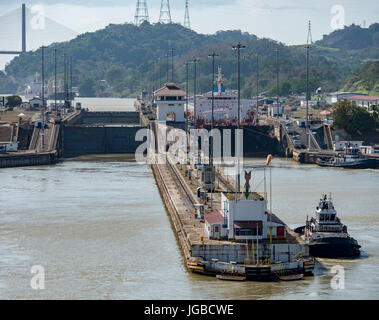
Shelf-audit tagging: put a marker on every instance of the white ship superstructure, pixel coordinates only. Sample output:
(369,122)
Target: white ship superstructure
(225,111)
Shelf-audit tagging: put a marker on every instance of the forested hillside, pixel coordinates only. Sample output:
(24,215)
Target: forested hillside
(127,58)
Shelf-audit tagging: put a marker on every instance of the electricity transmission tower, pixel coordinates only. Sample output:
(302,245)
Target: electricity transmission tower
(186,17)
(141,14)
(165,15)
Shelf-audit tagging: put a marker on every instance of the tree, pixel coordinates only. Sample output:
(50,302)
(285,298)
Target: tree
(352,118)
(13,101)
(87,88)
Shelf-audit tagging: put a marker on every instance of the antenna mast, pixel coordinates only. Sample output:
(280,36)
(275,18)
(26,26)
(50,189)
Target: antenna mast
(165,15)
(186,17)
(141,14)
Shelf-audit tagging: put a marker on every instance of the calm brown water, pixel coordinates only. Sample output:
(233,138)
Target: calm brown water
(98,227)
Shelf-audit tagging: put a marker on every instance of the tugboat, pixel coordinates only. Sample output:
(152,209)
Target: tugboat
(326,236)
(351,158)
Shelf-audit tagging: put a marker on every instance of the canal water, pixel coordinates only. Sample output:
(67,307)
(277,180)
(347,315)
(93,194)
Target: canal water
(98,227)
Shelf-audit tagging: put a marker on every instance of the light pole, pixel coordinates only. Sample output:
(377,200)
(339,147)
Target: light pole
(167,66)
(195,60)
(71,96)
(307,98)
(55,80)
(277,81)
(212,55)
(257,82)
(172,64)
(238,47)
(186,64)
(42,148)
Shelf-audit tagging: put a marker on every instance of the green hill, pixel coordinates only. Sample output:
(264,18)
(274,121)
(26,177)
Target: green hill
(365,79)
(126,56)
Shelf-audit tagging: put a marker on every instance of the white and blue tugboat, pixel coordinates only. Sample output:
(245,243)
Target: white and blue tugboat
(326,236)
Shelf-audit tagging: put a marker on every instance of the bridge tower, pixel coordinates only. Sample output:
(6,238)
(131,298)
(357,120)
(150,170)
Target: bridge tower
(165,15)
(186,17)
(141,14)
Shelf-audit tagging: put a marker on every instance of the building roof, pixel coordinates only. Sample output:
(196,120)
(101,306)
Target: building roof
(249,224)
(362,98)
(273,218)
(170,89)
(214,217)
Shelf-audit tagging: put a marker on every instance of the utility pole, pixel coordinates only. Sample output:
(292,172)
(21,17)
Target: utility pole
(172,64)
(187,63)
(309,43)
(160,72)
(167,66)
(257,81)
(238,47)
(212,55)
(42,148)
(277,81)
(65,83)
(71,96)
(55,80)
(195,60)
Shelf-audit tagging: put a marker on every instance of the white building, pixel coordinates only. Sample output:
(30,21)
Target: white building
(275,111)
(170,101)
(363,101)
(244,220)
(342,145)
(36,103)
(334,97)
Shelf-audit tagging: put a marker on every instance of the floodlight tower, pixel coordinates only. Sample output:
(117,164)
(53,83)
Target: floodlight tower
(165,15)
(141,14)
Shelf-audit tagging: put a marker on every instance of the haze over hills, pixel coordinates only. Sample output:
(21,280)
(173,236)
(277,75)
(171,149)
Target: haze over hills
(126,56)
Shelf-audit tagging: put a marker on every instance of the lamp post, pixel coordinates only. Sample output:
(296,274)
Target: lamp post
(307,98)
(257,81)
(42,147)
(238,47)
(172,64)
(186,64)
(195,60)
(212,55)
(277,80)
(167,67)
(55,80)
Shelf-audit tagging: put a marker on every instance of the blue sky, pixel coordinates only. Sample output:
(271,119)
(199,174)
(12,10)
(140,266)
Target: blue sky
(283,20)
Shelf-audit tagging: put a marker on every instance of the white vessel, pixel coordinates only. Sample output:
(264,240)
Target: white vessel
(225,111)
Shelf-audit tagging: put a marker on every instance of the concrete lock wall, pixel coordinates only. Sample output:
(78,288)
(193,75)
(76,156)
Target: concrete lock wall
(283,252)
(113,117)
(82,140)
